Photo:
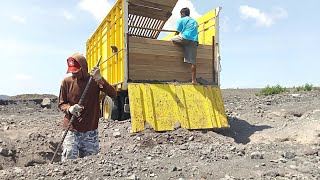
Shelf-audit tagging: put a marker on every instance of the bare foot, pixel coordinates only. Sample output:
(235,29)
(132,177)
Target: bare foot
(194,83)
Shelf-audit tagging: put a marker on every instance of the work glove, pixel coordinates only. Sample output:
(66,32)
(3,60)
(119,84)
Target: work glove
(75,110)
(95,73)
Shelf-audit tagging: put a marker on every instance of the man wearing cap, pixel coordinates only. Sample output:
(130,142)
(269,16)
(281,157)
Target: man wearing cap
(82,139)
(187,37)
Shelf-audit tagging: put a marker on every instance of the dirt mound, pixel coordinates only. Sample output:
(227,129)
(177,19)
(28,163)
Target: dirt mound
(4,97)
(25,97)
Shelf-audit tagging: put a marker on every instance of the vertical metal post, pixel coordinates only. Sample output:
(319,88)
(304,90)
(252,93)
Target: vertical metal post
(213,61)
(126,41)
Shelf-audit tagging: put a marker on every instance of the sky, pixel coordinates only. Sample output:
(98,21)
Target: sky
(262,42)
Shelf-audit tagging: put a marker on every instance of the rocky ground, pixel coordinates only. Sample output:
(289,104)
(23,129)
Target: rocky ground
(270,137)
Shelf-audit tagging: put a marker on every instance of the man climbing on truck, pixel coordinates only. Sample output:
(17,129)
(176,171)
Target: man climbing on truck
(187,37)
(82,139)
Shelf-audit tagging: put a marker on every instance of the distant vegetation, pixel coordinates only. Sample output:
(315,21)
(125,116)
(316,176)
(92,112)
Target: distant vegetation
(270,90)
(306,87)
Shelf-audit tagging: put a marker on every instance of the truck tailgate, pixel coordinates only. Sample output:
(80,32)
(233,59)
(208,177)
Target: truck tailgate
(164,105)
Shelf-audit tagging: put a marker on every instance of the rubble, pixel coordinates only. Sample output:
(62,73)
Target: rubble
(254,147)
(257,155)
(46,103)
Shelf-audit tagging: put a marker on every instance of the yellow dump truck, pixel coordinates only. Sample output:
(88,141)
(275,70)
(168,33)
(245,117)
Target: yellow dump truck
(149,74)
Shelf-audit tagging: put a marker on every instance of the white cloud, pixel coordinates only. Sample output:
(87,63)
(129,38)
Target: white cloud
(172,22)
(19,19)
(98,8)
(68,15)
(262,18)
(23,77)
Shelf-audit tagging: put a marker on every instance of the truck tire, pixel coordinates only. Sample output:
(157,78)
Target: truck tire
(110,108)
(123,97)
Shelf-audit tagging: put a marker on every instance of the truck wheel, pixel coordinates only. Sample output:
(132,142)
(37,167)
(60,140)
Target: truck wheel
(123,99)
(110,108)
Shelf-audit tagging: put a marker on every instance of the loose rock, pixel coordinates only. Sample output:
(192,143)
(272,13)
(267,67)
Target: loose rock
(133,177)
(117,134)
(289,155)
(46,103)
(257,155)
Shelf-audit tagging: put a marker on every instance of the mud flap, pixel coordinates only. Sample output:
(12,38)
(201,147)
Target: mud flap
(165,105)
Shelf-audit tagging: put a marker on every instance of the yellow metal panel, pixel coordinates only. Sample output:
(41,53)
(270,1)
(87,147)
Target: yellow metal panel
(167,38)
(206,17)
(164,105)
(206,29)
(136,96)
(206,25)
(109,33)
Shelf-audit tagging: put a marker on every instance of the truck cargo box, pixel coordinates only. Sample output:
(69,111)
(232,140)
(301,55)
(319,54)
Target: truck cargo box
(150,75)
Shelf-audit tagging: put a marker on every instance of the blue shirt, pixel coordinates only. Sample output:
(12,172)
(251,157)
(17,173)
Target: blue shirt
(188,28)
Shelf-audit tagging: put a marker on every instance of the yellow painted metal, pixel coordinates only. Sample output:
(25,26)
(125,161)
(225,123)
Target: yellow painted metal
(109,33)
(164,105)
(106,111)
(206,29)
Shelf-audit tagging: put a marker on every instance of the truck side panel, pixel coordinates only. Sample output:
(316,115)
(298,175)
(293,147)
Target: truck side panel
(157,60)
(109,37)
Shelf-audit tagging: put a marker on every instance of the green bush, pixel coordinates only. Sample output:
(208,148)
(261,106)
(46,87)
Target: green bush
(269,90)
(316,88)
(306,87)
